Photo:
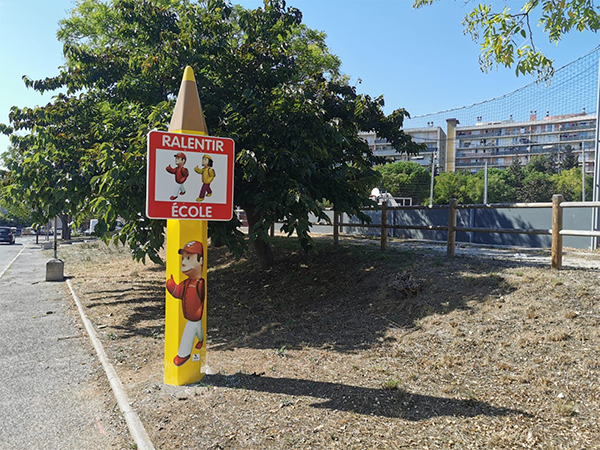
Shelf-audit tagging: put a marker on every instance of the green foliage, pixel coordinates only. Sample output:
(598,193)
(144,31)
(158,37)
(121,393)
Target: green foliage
(536,182)
(569,184)
(537,187)
(506,37)
(45,165)
(569,159)
(516,174)
(14,213)
(501,186)
(406,179)
(463,186)
(264,79)
(541,163)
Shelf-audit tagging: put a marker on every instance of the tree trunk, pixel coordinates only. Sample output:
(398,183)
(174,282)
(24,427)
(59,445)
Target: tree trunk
(262,247)
(215,241)
(66,229)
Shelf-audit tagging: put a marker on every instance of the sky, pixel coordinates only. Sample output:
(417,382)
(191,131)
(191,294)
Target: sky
(419,60)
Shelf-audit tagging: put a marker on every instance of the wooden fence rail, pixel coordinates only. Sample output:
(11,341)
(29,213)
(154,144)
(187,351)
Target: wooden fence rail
(556,231)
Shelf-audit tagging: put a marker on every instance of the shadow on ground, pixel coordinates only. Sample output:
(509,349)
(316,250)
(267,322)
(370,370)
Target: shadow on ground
(344,298)
(143,298)
(394,403)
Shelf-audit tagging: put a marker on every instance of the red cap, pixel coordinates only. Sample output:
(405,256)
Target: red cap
(193,247)
(181,155)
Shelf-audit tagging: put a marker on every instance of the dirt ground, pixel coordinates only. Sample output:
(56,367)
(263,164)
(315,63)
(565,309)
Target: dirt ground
(354,348)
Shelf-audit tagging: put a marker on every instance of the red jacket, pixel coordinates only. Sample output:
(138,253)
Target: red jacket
(191,292)
(181,173)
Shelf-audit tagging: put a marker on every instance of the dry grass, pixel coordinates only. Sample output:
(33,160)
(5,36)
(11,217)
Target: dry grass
(357,349)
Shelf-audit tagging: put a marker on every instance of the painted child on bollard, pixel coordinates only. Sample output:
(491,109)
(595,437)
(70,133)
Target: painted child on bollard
(191,292)
(208,175)
(181,174)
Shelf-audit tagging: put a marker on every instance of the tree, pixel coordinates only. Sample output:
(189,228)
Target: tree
(14,214)
(537,187)
(568,183)
(264,79)
(506,37)
(515,174)
(541,163)
(463,186)
(500,187)
(570,160)
(406,179)
(49,167)
(532,183)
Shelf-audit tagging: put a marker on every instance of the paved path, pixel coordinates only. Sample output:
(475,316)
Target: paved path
(53,393)
(572,258)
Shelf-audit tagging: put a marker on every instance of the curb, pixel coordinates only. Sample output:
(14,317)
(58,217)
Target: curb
(134,423)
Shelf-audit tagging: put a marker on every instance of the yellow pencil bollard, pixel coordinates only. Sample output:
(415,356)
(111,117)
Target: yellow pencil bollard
(185,312)
(187,199)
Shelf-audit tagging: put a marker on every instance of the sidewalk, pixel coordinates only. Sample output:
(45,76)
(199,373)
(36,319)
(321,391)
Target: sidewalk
(54,393)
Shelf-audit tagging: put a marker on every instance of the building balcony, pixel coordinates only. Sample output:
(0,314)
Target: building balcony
(586,126)
(577,136)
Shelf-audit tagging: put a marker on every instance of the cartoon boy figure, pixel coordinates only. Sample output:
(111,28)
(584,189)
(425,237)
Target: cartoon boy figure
(181,174)
(191,292)
(208,175)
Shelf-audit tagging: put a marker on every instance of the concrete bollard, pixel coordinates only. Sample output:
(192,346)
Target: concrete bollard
(55,270)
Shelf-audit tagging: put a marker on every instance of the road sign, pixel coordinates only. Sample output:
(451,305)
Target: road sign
(190,176)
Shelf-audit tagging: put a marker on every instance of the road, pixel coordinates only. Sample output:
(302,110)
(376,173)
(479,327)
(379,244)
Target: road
(54,394)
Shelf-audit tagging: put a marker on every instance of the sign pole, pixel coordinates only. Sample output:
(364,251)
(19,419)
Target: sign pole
(185,353)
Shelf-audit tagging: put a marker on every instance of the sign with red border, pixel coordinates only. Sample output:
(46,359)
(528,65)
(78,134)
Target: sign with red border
(189,177)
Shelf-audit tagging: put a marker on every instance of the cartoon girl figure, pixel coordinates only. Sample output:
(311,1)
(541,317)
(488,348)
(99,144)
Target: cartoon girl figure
(181,174)
(208,175)
(191,292)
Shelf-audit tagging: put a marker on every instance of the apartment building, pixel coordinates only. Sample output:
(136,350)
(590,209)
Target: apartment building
(433,137)
(498,143)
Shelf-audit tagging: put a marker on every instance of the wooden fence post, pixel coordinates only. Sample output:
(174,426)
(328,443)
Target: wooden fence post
(336,229)
(451,227)
(384,220)
(557,224)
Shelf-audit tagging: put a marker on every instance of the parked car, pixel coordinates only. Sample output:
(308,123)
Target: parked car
(241,215)
(92,228)
(7,234)
(43,231)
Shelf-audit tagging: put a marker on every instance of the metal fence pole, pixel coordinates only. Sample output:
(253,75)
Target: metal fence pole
(596,186)
(431,180)
(485,184)
(583,173)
